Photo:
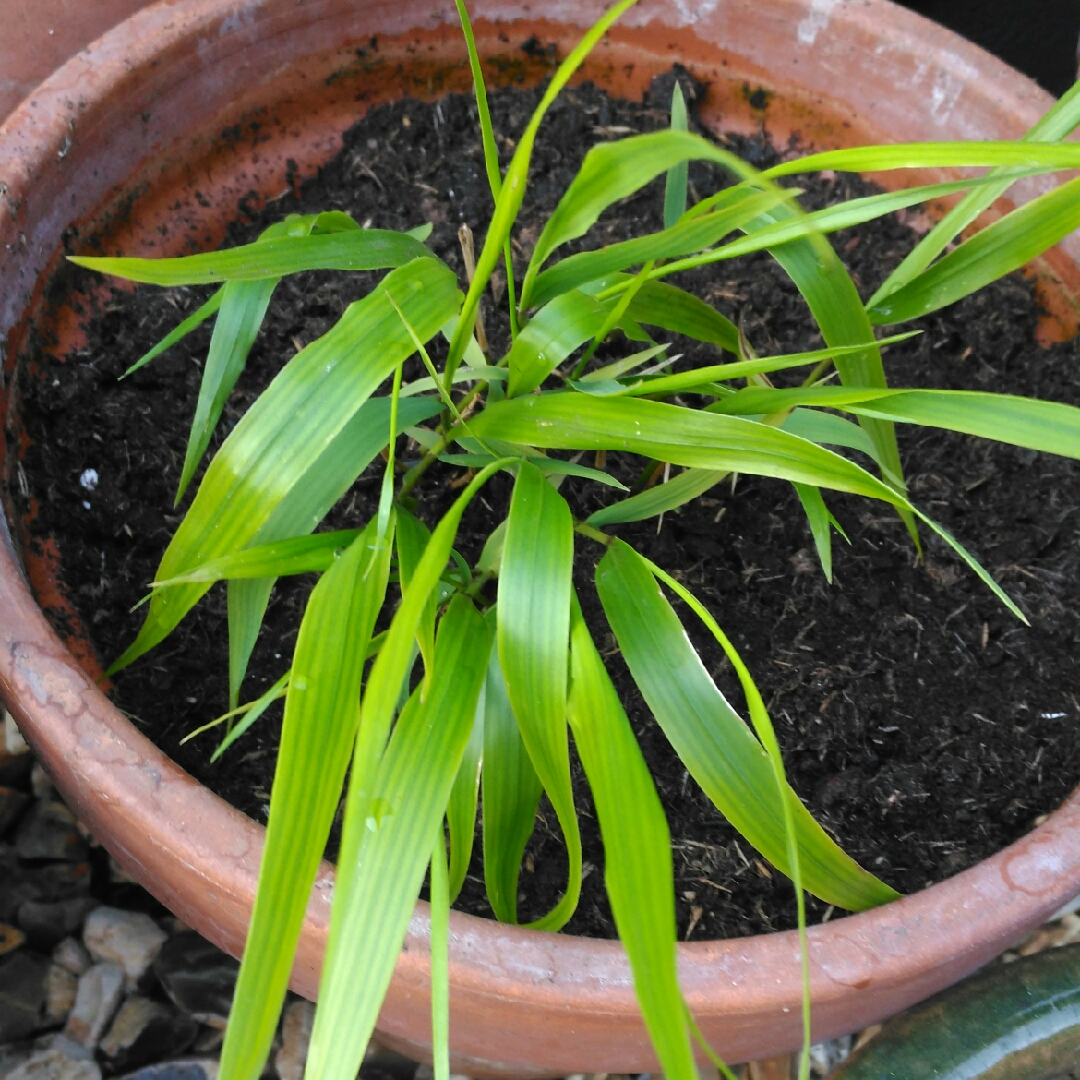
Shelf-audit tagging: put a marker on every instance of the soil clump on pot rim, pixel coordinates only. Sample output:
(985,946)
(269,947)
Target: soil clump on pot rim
(923,725)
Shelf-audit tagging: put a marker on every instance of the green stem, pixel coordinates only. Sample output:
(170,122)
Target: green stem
(593,533)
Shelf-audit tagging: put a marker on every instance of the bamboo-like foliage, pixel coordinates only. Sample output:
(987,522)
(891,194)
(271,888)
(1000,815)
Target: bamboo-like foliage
(486,671)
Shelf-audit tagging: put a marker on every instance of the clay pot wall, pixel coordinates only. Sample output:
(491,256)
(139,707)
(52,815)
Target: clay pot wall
(123,141)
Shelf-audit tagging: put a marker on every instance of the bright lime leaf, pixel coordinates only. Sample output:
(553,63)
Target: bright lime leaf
(678,175)
(316,741)
(1055,124)
(195,319)
(533,629)
(712,740)
(638,869)
(391,827)
(461,811)
(660,498)
(508,202)
(511,792)
(684,238)
(1038,425)
(325,482)
(550,337)
(821,522)
(360,249)
(292,424)
(1000,248)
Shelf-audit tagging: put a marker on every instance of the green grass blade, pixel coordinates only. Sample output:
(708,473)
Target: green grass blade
(464,374)
(513,191)
(1050,157)
(297,555)
(511,793)
(293,225)
(829,430)
(548,466)
(533,629)
(246,601)
(395,660)
(411,787)
(623,366)
(242,309)
(828,220)
(440,957)
(693,439)
(252,713)
(683,238)
(316,740)
(285,433)
(612,171)
(487,131)
(1000,248)
(461,811)
(360,249)
(194,320)
(412,537)
(682,436)
(309,501)
(658,499)
(260,705)
(1055,124)
(667,385)
(821,523)
(763,727)
(638,867)
(335,470)
(550,337)
(1049,426)
(657,303)
(678,175)
(713,741)
(491,153)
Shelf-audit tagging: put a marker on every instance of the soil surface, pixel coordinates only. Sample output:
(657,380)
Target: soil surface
(922,724)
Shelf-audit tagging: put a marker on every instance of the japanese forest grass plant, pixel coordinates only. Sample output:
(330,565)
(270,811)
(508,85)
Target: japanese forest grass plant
(483,669)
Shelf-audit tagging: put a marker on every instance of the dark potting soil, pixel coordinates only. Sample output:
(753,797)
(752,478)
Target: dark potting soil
(923,725)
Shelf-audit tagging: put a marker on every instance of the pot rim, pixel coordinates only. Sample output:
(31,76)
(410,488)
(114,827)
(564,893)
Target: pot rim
(200,856)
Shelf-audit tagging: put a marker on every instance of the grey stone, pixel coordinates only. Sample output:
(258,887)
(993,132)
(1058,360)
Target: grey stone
(22,994)
(204,1069)
(143,1031)
(827,1056)
(72,956)
(99,994)
(60,990)
(198,977)
(296,1026)
(40,782)
(47,924)
(48,831)
(130,939)
(57,1059)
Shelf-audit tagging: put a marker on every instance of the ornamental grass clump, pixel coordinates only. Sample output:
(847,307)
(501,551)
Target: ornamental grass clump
(484,671)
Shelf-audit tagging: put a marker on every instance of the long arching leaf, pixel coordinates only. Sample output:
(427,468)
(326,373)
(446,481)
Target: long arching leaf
(289,428)
(637,849)
(352,249)
(712,740)
(533,629)
(378,885)
(511,792)
(316,742)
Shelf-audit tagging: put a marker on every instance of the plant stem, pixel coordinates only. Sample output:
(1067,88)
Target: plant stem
(593,533)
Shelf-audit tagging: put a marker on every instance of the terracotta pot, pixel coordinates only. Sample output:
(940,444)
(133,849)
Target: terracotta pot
(212,97)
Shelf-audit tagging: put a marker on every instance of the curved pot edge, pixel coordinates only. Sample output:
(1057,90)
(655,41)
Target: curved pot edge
(93,753)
